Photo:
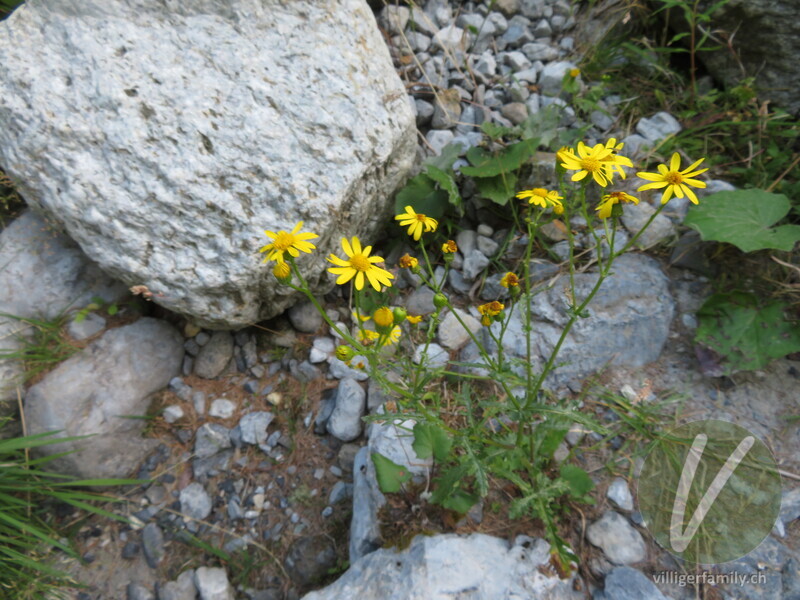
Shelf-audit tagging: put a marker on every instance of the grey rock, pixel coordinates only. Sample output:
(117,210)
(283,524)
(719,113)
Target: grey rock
(516,60)
(517,34)
(195,502)
(601,120)
(151,159)
(485,67)
(212,584)
(222,408)
(475,566)
(458,283)
(447,110)
(552,75)
(305,317)
(345,421)
(153,545)
(452,334)
(96,391)
(305,371)
(199,402)
(516,112)
(634,146)
(182,588)
(615,536)
(658,127)
(487,246)
(485,230)
(339,370)
(172,413)
(492,290)
(619,494)
(424,112)
(438,139)
(309,558)
(420,301)
(716,185)
(542,29)
(626,583)
(660,230)
(421,22)
(544,52)
(419,42)
(90,325)
(451,39)
(43,273)
(210,439)
(433,355)
(340,492)
(136,591)
(130,550)
(474,264)
(467,240)
(394,19)
(254,427)
(214,357)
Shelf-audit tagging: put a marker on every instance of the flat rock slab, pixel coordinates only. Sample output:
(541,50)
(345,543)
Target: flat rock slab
(99,392)
(166,136)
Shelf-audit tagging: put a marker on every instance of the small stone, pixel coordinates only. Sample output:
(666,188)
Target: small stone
(212,584)
(474,264)
(658,127)
(309,558)
(450,38)
(424,112)
(339,370)
(626,583)
(537,51)
(345,420)
(617,538)
(438,139)
(420,301)
(182,588)
(660,229)
(195,502)
(153,545)
(137,591)
(156,494)
(394,19)
(487,246)
(327,512)
(552,76)
(466,239)
(305,372)
(222,408)
(452,334)
(199,402)
(202,338)
(419,42)
(601,120)
(305,317)
(254,427)
(130,550)
(517,61)
(90,325)
(340,492)
(210,439)
(458,283)
(447,110)
(619,494)
(434,356)
(172,413)
(214,357)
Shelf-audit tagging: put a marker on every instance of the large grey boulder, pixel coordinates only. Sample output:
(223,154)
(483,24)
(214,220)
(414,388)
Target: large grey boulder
(628,323)
(478,567)
(97,392)
(166,136)
(42,274)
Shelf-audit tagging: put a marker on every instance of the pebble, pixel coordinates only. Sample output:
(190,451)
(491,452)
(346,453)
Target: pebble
(620,542)
(619,493)
(659,126)
(254,427)
(434,356)
(90,325)
(182,588)
(195,502)
(626,583)
(305,317)
(420,301)
(172,413)
(222,408)
(210,439)
(137,591)
(130,550)
(474,264)
(350,403)
(452,334)
(153,545)
(212,584)
(438,139)
(214,356)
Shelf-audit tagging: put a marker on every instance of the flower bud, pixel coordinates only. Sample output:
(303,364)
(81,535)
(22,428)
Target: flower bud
(282,272)
(439,300)
(344,353)
(399,314)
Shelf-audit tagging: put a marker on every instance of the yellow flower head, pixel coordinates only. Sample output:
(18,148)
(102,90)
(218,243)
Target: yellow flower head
(574,72)
(292,242)
(359,265)
(393,337)
(509,280)
(282,270)
(416,222)
(344,353)
(383,316)
(367,336)
(675,181)
(491,309)
(414,319)
(408,262)
(542,197)
(597,161)
(609,200)
(449,247)
(614,167)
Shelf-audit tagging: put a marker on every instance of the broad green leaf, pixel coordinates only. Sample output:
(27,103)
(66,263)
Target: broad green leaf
(450,484)
(498,189)
(448,184)
(460,501)
(486,163)
(746,219)
(748,333)
(390,475)
(431,440)
(422,195)
(579,482)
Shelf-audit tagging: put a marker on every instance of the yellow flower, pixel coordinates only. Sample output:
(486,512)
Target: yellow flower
(359,264)
(612,168)
(416,222)
(574,73)
(491,309)
(542,197)
(408,262)
(282,270)
(291,242)
(414,319)
(367,336)
(674,180)
(509,280)
(393,337)
(449,247)
(609,200)
(383,317)
(596,161)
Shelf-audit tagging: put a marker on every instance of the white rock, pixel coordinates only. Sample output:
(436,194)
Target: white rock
(660,230)
(222,408)
(551,77)
(351,401)
(197,127)
(617,538)
(452,334)
(657,127)
(434,356)
(212,584)
(438,139)
(172,413)
(619,494)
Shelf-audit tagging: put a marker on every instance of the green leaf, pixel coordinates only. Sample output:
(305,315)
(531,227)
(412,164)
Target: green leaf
(112,310)
(446,183)
(494,131)
(747,332)
(579,481)
(460,501)
(423,196)
(745,218)
(498,189)
(390,475)
(487,163)
(431,440)
(450,492)
(445,159)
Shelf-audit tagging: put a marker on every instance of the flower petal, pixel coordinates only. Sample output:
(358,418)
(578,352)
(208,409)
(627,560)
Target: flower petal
(675,162)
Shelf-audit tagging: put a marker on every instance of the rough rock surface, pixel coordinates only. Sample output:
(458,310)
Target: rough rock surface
(478,566)
(166,137)
(628,323)
(96,391)
(42,273)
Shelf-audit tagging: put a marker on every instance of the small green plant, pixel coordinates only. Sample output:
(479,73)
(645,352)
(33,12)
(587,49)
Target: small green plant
(96,304)
(42,344)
